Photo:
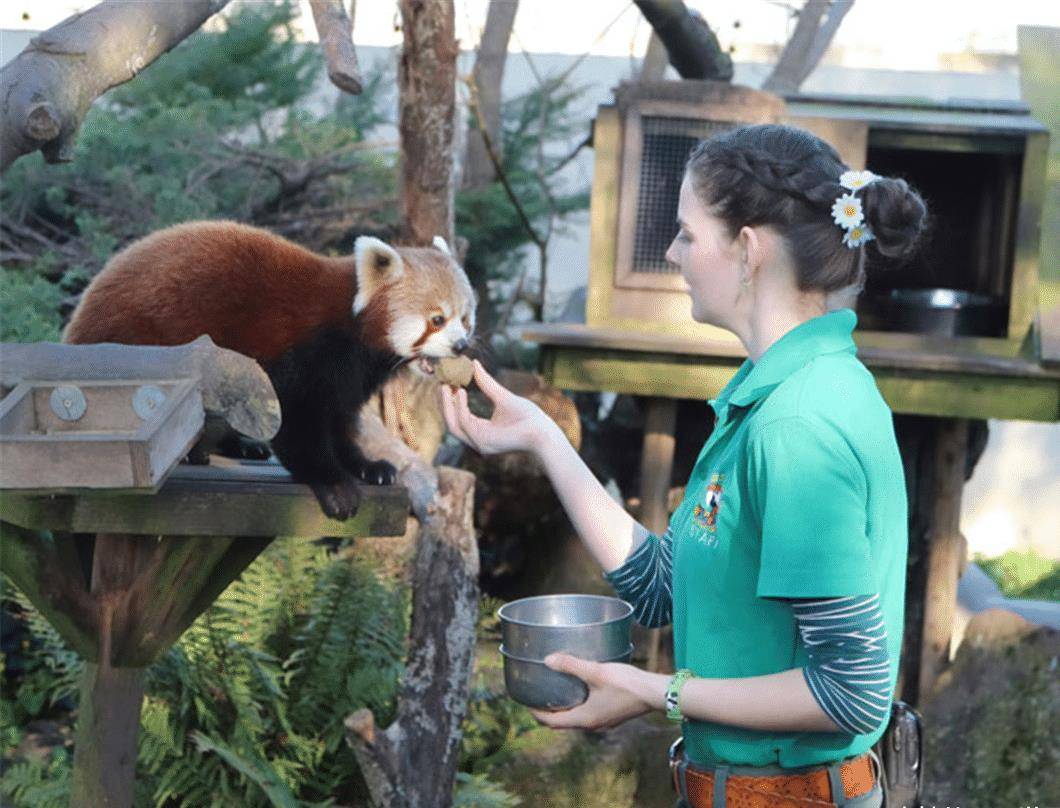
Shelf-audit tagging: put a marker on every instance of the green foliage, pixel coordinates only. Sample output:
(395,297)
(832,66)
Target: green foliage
(254,63)
(215,129)
(534,126)
(247,708)
(1014,755)
(493,722)
(1023,574)
(476,791)
(29,308)
(40,783)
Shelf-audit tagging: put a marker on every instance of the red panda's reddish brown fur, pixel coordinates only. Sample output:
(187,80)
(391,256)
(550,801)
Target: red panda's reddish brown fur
(250,290)
(328,331)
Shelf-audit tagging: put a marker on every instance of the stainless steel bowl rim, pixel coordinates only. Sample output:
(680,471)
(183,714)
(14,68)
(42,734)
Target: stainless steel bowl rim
(508,655)
(940,298)
(514,622)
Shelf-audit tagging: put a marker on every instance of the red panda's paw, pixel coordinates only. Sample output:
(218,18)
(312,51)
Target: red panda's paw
(377,472)
(338,500)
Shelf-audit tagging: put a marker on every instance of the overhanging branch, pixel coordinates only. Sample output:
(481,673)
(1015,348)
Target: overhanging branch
(335,29)
(48,88)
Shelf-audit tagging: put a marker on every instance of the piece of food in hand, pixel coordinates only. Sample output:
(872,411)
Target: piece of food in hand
(454,370)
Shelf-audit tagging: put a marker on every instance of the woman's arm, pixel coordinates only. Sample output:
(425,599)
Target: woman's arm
(844,688)
(609,532)
(777,702)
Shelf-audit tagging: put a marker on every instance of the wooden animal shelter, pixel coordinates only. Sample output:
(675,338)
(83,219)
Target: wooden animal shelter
(953,337)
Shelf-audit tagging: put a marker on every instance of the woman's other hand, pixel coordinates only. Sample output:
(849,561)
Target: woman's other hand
(517,424)
(612,694)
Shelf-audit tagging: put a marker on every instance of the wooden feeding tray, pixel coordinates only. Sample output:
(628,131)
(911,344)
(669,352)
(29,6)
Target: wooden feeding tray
(97,434)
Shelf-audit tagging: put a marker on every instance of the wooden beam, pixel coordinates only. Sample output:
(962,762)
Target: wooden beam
(208,501)
(964,395)
(47,571)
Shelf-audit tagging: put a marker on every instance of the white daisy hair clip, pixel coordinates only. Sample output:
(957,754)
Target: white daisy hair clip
(847,211)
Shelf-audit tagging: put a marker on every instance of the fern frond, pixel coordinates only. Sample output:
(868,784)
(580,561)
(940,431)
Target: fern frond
(253,767)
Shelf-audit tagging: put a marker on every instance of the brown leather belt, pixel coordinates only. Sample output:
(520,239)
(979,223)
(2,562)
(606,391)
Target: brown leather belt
(828,786)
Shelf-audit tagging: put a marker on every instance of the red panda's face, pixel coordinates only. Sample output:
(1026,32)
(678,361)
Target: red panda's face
(428,299)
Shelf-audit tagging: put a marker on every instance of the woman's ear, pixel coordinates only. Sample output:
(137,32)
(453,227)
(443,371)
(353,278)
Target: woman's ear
(752,247)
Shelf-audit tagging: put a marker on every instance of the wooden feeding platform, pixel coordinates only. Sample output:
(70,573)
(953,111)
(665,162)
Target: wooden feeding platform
(118,559)
(97,434)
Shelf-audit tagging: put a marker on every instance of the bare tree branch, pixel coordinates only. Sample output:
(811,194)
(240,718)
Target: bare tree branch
(47,89)
(692,46)
(495,159)
(807,45)
(653,68)
(335,29)
(488,74)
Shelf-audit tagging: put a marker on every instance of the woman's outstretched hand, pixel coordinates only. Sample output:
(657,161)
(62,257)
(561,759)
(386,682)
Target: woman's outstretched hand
(517,424)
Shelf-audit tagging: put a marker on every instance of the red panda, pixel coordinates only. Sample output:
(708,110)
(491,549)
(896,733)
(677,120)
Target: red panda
(328,331)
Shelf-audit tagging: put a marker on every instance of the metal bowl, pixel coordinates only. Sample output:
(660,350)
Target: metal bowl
(536,685)
(951,312)
(589,626)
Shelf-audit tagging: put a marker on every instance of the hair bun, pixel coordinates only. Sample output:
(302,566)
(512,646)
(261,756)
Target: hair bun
(896,214)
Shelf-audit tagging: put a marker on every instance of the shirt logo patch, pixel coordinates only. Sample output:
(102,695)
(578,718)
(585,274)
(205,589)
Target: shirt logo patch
(705,516)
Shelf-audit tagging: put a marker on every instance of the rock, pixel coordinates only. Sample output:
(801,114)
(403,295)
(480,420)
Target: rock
(990,723)
(624,767)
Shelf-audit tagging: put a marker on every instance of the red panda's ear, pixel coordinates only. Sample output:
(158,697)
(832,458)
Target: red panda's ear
(377,264)
(439,243)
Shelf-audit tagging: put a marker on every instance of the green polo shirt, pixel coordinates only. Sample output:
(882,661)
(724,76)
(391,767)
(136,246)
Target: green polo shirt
(799,492)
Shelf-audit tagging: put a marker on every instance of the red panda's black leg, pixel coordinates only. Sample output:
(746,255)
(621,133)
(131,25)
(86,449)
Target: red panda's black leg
(321,384)
(308,449)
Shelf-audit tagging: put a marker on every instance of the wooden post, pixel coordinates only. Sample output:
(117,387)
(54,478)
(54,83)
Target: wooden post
(165,559)
(108,726)
(944,550)
(656,467)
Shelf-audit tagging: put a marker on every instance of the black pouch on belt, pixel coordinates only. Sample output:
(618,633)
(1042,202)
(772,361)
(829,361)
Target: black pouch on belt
(900,751)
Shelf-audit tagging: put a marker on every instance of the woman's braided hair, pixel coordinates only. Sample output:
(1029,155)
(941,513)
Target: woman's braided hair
(788,178)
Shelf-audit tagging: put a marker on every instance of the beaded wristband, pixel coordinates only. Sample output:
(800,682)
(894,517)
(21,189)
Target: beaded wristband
(673,691)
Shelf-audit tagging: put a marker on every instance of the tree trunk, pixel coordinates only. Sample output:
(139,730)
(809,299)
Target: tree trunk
(488,75)
(693,48)
(807,45)
(427,78)
(47,89)
(413,761)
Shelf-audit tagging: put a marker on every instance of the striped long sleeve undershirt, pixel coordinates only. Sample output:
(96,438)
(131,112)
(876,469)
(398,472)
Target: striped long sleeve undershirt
(644,580)
(849,670)
(845,637)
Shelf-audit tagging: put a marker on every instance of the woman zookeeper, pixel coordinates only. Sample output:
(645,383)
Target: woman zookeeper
(783,570)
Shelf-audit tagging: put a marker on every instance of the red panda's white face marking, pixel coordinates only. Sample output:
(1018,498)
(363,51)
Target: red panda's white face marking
(429,299)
